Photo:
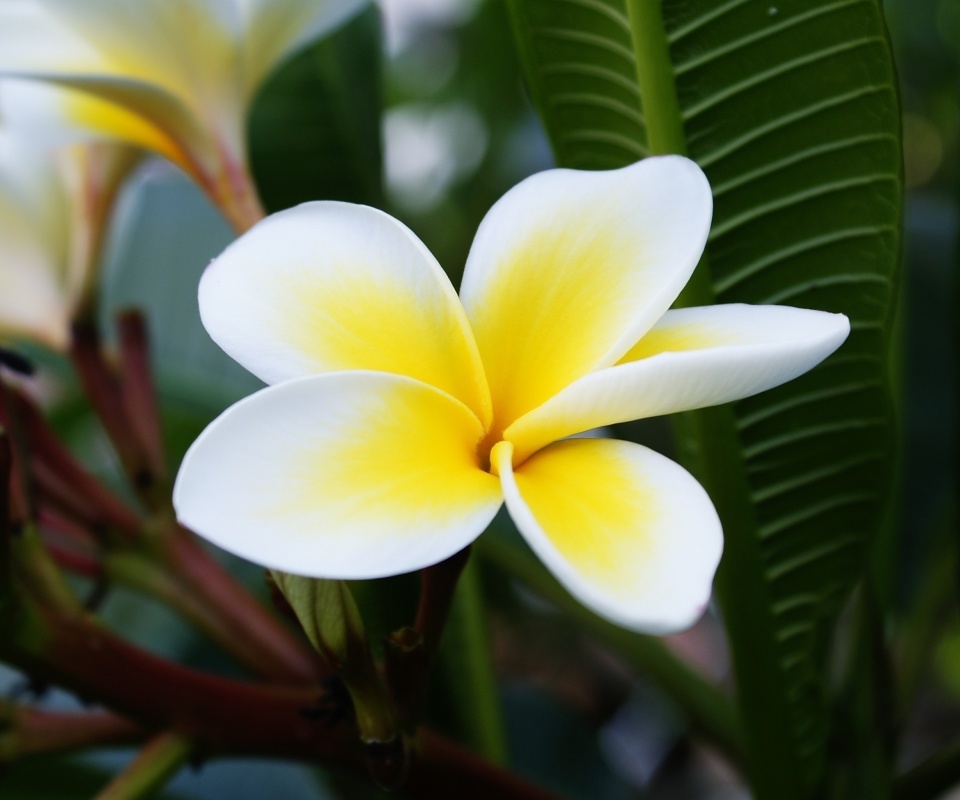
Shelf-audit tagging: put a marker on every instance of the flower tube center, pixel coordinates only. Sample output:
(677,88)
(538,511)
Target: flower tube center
(491,439)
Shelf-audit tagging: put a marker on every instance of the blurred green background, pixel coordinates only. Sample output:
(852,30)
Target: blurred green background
(456,131)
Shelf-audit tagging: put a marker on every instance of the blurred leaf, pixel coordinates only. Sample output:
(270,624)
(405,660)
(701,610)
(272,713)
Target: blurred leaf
(791,109)
(466,658)
(55,779)
(315,126)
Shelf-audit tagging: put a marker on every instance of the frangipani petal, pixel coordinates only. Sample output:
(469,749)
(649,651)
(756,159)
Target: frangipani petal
(163,75)
(34,41)
(346,475)
(331,286)
(275,29)
(627,531)
(692,358)
(570,268)
(56,115)
(33,304)
(189,48)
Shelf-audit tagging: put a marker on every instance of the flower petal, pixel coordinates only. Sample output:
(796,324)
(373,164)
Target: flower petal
(692,358)
(332,286)
(33,302)
(133,84)
(275,29)
(189,48)
(570,268)
(627,531)
(56,115)
(33,40)
(346,475)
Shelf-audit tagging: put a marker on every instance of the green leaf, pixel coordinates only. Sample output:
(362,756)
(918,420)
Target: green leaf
(791,109)
(315,126)
(329,617)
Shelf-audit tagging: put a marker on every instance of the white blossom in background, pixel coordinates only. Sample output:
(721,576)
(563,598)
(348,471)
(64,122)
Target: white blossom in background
(174,76)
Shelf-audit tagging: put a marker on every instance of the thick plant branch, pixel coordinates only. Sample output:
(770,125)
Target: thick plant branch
(102,388)
(138,395)
(222,716)
(28,731)
(261,639)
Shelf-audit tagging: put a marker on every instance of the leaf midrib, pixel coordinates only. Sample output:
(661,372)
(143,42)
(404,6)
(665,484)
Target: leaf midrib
(742,581)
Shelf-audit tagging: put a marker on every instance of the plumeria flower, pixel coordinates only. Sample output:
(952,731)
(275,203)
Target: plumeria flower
(175,76)
(401,417)
(54,209)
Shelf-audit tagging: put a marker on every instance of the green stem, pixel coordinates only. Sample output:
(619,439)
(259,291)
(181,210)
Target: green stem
(655,77)
(477,679)
(661,110)
(709,712)
(157,763)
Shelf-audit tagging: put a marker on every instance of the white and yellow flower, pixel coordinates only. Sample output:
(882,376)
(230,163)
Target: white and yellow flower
(174,76)
(54,209)
(401,418)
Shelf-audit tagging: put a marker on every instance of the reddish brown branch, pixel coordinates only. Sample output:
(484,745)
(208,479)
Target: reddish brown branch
(229,717)
(410,651)
(437,587)
(444,770)
(268,646)
(137,390)
(102,389)
(30,731)
(59,475)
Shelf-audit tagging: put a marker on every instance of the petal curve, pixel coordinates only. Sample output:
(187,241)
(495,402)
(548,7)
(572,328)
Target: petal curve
(569,269)
(347,475)
(692,358)
(330,286)
(628,532)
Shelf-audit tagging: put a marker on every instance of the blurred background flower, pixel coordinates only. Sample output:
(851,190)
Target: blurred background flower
(175,77)
(55,206)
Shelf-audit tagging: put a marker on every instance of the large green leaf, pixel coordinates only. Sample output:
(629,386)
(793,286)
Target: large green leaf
(791,109)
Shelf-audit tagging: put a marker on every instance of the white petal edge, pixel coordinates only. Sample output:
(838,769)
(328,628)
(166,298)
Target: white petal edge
(683,540)
(745,350)
(569,268)
(330,286)
(348,475)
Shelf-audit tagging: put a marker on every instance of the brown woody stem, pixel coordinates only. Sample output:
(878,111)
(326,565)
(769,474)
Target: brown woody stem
(410,651)
(266,644)
(137,390)
(102,388)
(223,716)
(59,475)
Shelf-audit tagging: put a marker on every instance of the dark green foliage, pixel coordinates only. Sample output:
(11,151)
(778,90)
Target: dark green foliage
(791,109)
(315,126)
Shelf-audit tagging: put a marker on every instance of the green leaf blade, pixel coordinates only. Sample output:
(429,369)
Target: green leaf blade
(791,109)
